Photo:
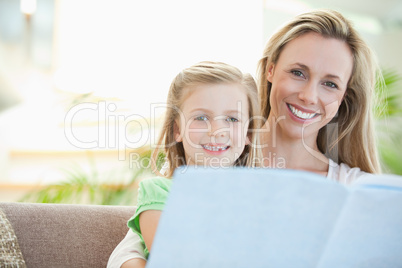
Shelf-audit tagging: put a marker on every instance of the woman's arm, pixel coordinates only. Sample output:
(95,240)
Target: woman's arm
(149,220)
(129,251)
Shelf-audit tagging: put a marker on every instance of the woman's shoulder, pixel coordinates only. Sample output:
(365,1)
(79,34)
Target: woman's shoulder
(345,174)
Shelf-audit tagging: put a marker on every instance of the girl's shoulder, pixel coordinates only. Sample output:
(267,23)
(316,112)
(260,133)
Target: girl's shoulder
(345,174)
(155,185)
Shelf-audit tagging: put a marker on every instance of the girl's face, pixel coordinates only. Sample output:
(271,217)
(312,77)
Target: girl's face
(213,124)
(308,84)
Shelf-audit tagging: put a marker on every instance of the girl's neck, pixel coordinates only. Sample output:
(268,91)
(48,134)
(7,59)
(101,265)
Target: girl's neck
(282,151)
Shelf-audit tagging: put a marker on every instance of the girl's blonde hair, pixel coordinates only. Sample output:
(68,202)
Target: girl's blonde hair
(353,142)
(204,73)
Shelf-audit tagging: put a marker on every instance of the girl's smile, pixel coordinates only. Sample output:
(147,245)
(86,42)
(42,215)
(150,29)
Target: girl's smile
(213,124)
(215,149)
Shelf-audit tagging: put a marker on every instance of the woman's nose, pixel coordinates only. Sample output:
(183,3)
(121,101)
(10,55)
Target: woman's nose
(309,93)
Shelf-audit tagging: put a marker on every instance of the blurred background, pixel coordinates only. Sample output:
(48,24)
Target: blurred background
(82,83)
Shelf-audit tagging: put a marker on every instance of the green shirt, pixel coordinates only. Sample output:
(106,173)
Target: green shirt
(152,195)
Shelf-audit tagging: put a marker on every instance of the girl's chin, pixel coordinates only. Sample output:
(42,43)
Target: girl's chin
(215,162)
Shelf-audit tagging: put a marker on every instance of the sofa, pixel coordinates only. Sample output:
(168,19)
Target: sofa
(61,235)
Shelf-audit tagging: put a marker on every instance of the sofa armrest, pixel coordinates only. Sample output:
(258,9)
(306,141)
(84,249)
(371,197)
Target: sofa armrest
(61,235)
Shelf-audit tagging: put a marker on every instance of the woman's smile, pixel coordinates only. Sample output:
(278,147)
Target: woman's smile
(301,113)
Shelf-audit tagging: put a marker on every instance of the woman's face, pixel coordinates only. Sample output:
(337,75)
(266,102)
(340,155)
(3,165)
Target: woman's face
(308,84)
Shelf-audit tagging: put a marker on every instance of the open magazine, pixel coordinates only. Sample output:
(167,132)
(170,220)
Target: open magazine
(242,217)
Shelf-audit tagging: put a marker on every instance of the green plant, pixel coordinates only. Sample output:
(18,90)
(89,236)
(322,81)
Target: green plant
(389,121)
(82,187)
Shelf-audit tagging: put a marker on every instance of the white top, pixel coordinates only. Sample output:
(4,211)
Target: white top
(345,174)
(130,247)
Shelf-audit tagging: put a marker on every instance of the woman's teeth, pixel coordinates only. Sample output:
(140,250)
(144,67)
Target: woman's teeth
(215,148)
(301,114)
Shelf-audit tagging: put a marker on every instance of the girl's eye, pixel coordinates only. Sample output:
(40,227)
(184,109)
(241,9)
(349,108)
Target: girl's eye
(201,118)
(330,84)
(297,73)
(232,120)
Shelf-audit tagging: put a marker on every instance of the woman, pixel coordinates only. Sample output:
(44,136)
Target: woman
(316,83)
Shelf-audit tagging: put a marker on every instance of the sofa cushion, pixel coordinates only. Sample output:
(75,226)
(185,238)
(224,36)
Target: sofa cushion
(10,253)
(61,235)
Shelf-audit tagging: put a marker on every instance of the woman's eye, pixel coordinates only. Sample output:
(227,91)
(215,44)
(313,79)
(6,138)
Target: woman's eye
(297,73)
(330,84)
(232,120)
(201,118)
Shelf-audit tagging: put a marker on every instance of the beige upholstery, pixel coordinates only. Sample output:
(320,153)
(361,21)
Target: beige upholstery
(10,253)
(56,235)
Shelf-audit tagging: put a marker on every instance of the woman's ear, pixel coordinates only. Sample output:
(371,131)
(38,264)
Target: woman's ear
(270,72)
(176,132)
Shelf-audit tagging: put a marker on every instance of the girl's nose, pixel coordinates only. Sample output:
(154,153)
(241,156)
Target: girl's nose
(218,128)
(309,93)
(218,133)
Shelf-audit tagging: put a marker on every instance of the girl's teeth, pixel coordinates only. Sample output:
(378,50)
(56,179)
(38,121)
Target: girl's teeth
(301,114)
(215,148)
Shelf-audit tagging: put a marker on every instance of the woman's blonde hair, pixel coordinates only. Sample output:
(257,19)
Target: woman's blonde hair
(353,142)
(204,73)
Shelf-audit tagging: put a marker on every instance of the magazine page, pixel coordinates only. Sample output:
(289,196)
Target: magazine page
(380,181)
(246,218)
(368,231)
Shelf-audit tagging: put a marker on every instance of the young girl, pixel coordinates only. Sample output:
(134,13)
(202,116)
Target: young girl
(209,123)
